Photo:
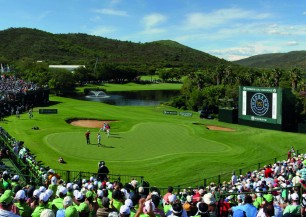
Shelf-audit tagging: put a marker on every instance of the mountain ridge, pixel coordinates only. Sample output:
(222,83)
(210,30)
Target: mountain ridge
(79,48)
(276,60)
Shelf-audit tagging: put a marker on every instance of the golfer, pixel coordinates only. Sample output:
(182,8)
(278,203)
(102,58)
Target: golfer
(87,136)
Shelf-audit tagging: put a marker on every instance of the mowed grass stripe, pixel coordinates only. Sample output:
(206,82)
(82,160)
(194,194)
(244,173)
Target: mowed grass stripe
(148,140)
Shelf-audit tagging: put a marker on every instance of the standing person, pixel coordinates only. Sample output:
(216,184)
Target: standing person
(17,113)
(87,136)
(99,139)
(30,114)
(107,129)
(103,172)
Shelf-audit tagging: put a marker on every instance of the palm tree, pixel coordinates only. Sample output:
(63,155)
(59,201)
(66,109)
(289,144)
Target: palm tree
(220,72)
(295,76)
(265,79)
(277,74)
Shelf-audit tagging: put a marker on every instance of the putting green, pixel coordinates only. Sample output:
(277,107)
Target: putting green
(141,139)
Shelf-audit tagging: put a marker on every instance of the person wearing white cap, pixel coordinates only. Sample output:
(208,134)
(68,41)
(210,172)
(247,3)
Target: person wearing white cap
(24,209)
(57,203)
(47,213)
(124,211)
(43,204)
(189,206)
(81,205)
(53,185)
(176,210)
(68,209)
(34,202)
(293,209)
(51,173)
(99,198)
(69,187)
(15,181)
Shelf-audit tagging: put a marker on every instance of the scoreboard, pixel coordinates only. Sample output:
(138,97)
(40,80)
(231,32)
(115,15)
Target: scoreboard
(260,104)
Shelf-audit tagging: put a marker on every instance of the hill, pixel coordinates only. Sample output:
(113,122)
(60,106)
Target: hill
(276,60)
(19,43)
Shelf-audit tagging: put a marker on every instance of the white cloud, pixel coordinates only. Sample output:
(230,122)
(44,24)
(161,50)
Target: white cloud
(292,43)
(151,23)
(236,53)
(219,17)
(43,15)
(103,30)
(304,13)
(153,31)
(109,11)
(153,20)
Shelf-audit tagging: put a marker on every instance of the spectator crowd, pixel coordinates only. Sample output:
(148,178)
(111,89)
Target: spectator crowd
(275,190)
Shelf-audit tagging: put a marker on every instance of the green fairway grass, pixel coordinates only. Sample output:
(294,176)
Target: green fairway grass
(165,149)
(133,87)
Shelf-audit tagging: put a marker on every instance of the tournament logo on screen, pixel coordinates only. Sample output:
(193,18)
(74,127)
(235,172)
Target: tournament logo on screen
(259,104)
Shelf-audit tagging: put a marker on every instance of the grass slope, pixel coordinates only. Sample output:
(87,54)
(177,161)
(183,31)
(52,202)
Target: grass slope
(165,149)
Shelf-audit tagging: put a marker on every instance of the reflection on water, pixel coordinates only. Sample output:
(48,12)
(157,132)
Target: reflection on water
(136,98)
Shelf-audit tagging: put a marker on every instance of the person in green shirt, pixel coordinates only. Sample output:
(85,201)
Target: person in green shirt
(24,209)
(43,204)
(57,203)
(70,189)
(117,199)
(293,209)
(53,186)
(81,206)
(99,198)
(15,181)
(69,210)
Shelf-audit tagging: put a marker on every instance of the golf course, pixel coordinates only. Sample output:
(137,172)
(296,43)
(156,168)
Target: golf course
(165,149)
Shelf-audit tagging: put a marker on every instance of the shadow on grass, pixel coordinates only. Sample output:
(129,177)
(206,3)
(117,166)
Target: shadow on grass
(117,136)
(198,124)
(4,121)
(51,103)
(106,146)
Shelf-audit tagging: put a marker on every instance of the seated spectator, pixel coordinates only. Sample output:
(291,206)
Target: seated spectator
(47,213)
(202,210)
(104,212)
(6,205)
(43,204)
(248,207)
(189,206)
(293,209)
(24,209)
(210,200)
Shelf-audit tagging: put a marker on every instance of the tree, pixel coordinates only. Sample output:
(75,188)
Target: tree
(61,81)
(295,77)
(220,72)
(82,75)
(277,74)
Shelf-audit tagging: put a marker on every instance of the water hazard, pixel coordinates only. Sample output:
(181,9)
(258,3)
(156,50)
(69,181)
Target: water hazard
(132,98)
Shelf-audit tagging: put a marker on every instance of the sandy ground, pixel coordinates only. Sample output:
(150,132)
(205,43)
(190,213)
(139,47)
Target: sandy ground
(211,127)
(89,123)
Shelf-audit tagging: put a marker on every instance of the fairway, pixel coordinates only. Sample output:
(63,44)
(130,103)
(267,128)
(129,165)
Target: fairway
(165,149)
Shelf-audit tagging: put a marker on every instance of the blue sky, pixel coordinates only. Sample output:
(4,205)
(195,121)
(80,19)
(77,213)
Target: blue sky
(229,29)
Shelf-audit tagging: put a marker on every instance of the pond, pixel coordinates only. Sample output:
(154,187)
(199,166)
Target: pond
(133,98)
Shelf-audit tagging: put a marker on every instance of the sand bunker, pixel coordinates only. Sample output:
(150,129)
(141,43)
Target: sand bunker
(212,127)
(89,123)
